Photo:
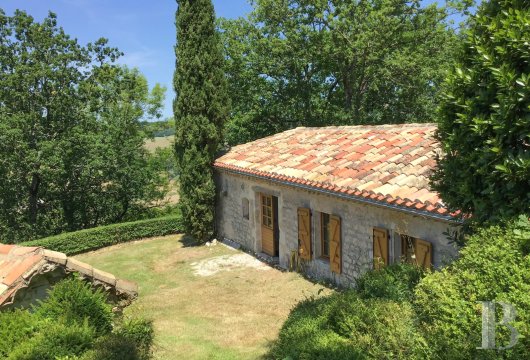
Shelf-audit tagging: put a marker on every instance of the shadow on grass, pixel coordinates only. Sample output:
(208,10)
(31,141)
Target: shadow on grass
(188,241)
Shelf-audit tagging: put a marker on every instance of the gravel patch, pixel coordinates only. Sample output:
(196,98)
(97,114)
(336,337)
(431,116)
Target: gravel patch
(212,266)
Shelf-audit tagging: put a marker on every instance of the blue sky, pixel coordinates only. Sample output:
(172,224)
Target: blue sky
(144,30)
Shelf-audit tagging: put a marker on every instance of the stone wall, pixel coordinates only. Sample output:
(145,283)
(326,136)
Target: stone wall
(357,223)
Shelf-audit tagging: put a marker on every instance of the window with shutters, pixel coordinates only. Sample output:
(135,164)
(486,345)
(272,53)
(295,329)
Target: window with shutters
(416,251)
(380,247)
(304,233)
(324,235)
(335,244)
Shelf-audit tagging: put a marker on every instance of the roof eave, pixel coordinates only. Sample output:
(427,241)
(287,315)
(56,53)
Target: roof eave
(362,200)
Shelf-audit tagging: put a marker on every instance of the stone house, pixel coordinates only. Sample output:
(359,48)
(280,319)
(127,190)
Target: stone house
(335,201)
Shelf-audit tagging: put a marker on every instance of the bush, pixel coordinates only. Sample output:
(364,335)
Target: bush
(91,239)
(139,332)
(75,302)
(344,326)
(15,327)
(132,340)
(494,266)
(55,340)
(112,347)
(394,282)
(74,322)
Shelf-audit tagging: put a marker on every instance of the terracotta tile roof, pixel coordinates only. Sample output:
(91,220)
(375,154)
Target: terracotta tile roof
(386,164)
(19,264)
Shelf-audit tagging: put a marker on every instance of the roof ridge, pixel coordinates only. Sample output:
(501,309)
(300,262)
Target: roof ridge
(360,126)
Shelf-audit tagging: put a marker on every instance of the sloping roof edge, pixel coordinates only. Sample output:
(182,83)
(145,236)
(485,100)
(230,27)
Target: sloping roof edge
(409,206)
(29,262)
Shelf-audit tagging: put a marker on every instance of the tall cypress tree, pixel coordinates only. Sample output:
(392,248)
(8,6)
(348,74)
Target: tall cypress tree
(200,107)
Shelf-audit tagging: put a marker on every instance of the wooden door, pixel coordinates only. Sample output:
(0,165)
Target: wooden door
(304,233)
(380,248)
(267,225)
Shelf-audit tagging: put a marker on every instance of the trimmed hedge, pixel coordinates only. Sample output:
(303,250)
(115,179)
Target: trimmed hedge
(92,239)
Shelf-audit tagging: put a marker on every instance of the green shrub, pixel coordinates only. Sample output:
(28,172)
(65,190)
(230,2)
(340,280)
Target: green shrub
(139,332)
(92,239)
(74,301)
(55,340)
(394,282)
(15,327)
(131,340)
(344,326)
(112,347)
(494,266)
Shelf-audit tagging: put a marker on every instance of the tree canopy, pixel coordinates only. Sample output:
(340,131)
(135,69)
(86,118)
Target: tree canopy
(71,155)
(485,117)
(326,62)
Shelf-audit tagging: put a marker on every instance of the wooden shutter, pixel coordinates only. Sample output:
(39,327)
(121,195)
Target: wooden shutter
(304,233)
(335,258)
(380,247)
(423,253)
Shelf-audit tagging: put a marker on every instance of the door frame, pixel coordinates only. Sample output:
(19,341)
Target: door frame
(270,223)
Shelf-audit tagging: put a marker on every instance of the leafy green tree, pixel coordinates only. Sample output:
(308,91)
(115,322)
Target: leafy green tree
(327,62)
(485,117)
(201,108)
(71,155)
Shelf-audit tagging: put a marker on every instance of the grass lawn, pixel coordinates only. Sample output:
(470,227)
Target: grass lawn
(206,302)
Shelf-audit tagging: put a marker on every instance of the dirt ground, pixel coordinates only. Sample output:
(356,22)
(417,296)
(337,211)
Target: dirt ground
(206,302)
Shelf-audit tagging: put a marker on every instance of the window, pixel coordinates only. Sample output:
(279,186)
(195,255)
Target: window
(324,235)
(416,251)
(245,208)
(266,210)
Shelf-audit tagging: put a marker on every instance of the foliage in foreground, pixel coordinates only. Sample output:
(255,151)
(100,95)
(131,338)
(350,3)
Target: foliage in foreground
(73,323)
(344,326)
(494,266)
(71,149)
(484,122)
(201,108)
(96,238)
(395,282)
(74,301)
(402,313)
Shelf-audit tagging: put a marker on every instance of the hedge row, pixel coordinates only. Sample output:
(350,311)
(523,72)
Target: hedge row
(91,239)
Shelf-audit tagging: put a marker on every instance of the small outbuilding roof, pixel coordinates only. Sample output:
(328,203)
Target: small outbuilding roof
(387,165)
(20,264)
